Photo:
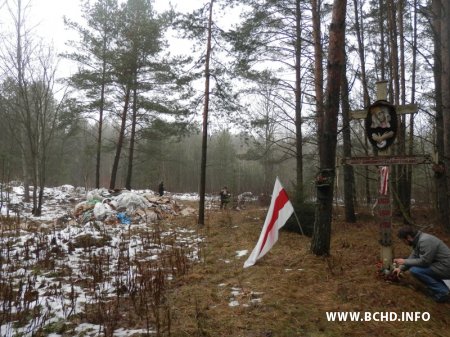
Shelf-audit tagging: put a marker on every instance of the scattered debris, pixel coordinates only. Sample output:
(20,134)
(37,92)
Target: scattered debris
(246,297)
(127,207)
(61,269)
(241,253)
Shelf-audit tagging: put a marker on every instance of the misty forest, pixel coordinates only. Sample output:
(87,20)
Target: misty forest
(256,96)
(234,93)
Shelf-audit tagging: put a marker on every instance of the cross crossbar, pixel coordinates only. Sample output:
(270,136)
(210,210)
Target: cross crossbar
(388,160)
(399,109)
(382,114)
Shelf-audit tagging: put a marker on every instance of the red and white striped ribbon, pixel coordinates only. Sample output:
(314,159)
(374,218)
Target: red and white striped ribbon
(384,180)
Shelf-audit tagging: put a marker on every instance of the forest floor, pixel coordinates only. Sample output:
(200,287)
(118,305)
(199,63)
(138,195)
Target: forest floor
(290,291)
(62,277)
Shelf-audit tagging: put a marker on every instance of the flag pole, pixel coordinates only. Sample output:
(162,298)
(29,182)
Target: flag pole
(298,222)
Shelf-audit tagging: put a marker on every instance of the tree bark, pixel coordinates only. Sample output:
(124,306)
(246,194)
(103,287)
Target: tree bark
(404,185)
(349,177)
(298,104)
(112,183)
(100,120)
(445,89)
(413,99)
(201,209)
(359,29)
(318,68)
(320,244)
(132,138)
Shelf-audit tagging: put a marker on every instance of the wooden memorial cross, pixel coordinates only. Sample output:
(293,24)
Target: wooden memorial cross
(381,129)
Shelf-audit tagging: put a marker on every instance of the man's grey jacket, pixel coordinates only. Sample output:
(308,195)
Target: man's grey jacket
(429,251)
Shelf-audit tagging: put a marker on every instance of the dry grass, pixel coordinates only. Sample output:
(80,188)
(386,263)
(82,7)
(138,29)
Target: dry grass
(289,291)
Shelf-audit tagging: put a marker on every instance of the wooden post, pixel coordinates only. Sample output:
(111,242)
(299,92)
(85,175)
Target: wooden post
(382,90)
(384,200)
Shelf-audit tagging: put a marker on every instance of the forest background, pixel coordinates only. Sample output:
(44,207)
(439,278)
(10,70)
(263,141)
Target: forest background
(131,115)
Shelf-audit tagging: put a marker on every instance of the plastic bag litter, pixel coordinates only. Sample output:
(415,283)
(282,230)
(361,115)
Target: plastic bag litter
(102,210)
(123,218)
(146,215)
(82,207)
(188,211)
(131,201)
(97,194)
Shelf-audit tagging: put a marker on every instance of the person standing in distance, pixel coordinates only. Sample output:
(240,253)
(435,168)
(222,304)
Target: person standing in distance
(161,189)
(224,197)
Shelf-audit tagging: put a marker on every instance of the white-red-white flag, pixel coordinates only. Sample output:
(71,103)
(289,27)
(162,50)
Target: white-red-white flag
(279,212)
(384,180)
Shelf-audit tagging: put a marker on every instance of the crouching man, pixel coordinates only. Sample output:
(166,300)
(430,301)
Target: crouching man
(429,261)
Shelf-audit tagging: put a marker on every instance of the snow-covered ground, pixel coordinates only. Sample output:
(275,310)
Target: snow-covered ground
(65,276)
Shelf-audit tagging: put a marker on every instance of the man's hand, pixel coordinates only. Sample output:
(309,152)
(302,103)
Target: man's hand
(397,271)
(399,261)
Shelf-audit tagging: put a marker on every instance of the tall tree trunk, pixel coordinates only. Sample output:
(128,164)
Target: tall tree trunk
(20,82)
(395,99)
(132,139)
(445,86)
(403,182)
(112,183)
(408,191)
(359,28)
(35,183)
(100,120)
(201,210)
(349,177)
(320,244)
(382,23)
(440,177)
(25,174)
(42,174)
(318,68)
(298,104)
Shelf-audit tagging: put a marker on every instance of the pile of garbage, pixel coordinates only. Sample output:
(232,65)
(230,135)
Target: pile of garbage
(127,207)
(63,203)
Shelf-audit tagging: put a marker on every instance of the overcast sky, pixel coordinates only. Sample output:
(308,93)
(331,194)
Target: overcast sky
(45,17)
(48,15)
